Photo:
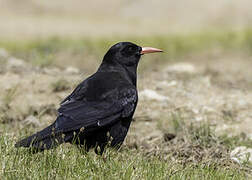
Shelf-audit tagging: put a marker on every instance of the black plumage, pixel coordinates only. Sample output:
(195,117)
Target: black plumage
(101,108)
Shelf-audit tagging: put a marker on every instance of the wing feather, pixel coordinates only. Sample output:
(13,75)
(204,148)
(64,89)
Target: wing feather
(94,114)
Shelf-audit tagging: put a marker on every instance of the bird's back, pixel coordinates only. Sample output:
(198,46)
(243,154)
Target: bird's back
(105,85)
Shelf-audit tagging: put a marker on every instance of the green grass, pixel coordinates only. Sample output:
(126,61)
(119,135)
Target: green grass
(70,163)
(197,153)
(54,50)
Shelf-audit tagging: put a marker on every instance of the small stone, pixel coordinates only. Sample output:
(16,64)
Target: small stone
(182,68)
(165,84)
(152,95)
(3,53)
(72,70)
(15,63)
(241,154)
(51,71)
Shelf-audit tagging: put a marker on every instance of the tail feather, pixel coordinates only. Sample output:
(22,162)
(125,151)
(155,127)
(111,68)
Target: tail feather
(42,140)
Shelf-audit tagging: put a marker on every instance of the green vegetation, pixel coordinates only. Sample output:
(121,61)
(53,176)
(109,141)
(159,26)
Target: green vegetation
(195,153)
(69,162)
(44,52)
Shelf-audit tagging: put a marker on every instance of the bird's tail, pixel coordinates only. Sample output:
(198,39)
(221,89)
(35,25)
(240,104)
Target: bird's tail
(45,139)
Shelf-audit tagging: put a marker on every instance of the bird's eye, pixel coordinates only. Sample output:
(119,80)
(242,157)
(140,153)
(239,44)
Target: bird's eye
(129,51)
(130,48)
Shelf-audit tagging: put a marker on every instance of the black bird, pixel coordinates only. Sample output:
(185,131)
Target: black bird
(100,108)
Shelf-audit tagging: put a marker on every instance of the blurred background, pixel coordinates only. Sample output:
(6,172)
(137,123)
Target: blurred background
(35,30)
(33,19)
(204,75)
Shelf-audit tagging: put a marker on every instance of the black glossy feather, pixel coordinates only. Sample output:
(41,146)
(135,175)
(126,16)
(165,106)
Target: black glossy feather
(96,113)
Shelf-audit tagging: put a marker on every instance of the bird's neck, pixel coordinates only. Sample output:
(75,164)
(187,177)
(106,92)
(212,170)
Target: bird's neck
(132,74)
(129,72)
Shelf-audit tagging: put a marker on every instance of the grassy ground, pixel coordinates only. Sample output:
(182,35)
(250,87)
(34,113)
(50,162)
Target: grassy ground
(70,163)
(188,135)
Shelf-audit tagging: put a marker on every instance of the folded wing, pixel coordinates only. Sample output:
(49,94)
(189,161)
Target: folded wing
(96,114)
(79,114)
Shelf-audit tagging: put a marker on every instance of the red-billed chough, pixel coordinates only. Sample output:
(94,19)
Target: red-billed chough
(100,108)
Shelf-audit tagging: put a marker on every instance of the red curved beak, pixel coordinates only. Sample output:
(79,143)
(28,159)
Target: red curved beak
(146,50)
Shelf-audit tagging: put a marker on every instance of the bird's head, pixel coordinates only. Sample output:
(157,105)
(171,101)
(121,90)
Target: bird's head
(127,53)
